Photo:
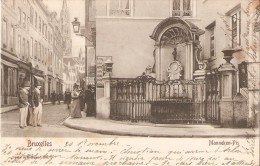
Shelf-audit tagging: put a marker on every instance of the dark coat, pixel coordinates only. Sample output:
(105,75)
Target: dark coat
(23,98)
(36,98)
(67,97)
(82,100)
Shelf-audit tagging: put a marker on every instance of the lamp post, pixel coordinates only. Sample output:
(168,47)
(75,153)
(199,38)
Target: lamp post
(76,25)
(76,30)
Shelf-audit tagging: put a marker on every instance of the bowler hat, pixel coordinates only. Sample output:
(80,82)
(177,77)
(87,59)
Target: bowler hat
(26,84)
(37,83)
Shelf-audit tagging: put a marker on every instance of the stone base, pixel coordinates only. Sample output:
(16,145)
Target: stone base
(103,108)
(234,113)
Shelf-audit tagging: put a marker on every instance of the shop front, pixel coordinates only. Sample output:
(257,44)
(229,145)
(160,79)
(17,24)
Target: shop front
(9,80)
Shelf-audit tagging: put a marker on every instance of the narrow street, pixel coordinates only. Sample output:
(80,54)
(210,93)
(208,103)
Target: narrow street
(53,117)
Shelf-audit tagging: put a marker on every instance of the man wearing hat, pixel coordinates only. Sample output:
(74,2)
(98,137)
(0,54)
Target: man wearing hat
(23,103)
(37,105)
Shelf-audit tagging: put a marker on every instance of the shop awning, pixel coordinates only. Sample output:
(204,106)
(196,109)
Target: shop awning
(39,78)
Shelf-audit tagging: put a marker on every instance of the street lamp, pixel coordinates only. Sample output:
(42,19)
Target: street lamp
(76,25)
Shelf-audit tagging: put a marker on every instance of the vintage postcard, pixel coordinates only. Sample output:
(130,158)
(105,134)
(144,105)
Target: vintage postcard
(130,82)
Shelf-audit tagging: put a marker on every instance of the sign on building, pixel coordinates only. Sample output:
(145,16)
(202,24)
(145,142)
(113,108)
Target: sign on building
(100,72)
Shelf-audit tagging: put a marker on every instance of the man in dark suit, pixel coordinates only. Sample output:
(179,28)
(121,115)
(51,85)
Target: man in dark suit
(90,101)
(23,103)
(37,105)
(67,98)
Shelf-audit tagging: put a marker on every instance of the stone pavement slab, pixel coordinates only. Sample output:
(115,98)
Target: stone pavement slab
(91,124)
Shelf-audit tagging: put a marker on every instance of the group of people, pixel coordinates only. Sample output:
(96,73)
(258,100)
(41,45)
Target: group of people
(56,97)
(78,99)
(32,104)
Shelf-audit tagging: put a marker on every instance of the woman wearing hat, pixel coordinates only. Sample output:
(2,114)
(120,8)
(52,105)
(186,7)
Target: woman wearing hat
(75,107)
(23,103)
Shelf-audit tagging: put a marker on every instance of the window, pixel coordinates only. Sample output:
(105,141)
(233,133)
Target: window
(24,20)
(20,15)
(31,15)
(4,33)
(19,45)
(12,3)
(35,49)
(40,24)
(39,51)
(43,27)
(23,48)
(181,8)
(31,54)
(36,20)
(120,8)
(12,38)
(236,28)
(210,35)
(28,49)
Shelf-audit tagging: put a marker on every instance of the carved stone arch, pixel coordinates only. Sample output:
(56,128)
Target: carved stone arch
(170,33)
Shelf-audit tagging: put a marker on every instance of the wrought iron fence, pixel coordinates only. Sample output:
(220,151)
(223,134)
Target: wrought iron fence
(146,99)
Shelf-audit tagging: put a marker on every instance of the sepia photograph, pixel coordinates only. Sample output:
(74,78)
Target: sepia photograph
(130,82)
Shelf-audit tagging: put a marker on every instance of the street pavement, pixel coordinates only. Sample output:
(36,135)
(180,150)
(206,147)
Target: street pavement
(91,124)
(53,117)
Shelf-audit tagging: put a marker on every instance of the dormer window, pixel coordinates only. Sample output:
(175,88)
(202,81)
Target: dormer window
(182,8)
(120,8)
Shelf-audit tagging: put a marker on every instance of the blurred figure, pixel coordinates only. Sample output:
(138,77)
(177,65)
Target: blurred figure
(68,97)
(23,103)
(90,101)
(75,107)
(37,105)
(82,99)
(53,97)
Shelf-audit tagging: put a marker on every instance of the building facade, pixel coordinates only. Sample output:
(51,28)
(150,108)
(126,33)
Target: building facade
(32,49)
(185,40)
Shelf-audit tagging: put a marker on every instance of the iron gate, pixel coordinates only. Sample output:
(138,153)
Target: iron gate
(146,99)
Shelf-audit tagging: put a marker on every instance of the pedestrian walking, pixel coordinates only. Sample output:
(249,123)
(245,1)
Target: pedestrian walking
(53,97)
(23,103)
(58,98)
(37,105)
(90,101)
(68,98)
(75,107)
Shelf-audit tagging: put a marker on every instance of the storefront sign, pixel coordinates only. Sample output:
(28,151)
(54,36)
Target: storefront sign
(100,73)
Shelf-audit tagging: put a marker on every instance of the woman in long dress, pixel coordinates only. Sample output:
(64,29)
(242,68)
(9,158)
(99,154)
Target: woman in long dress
(75,107)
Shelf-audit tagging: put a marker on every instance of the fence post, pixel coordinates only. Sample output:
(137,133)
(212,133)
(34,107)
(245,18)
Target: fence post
(201,105)
(227,89)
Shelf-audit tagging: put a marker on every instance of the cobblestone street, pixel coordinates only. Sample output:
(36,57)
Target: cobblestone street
(53,117)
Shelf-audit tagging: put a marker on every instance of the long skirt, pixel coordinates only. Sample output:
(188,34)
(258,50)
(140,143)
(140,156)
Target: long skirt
(75,109)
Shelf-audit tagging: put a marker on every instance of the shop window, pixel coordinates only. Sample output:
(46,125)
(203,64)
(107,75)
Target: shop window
(182,8)
(120,7)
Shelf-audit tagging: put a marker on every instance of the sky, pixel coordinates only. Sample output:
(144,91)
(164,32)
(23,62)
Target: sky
(76,9)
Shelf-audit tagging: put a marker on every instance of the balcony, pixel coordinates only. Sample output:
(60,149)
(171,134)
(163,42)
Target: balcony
(120,12)
(181,13)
